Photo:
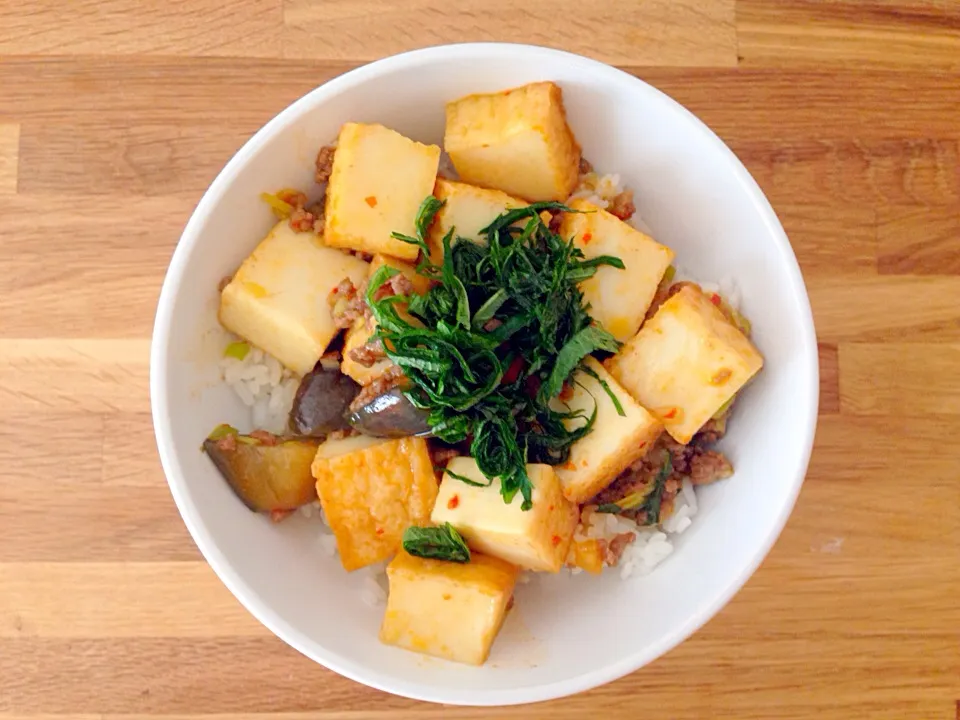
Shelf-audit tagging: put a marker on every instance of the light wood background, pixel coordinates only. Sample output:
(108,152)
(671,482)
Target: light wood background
(116,114)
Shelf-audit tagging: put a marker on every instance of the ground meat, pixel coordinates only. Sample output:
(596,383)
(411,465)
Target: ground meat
(615,547)
(317,210)
(302,220)
(401,284)
(664,293)
(709,466)
(680,454)
(585,166)
(265,438)
(622,205)
(387,381)
(368,354)
(347,303)
(635,478)
(228,443)
(398,284)
(324,164)
(712,431)
(442,455)
(293,197)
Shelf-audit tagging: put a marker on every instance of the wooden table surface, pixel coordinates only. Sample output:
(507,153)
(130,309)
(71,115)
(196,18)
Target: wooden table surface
(116,114)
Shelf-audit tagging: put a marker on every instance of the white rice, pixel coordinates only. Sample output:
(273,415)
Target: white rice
(264,385)
(597,189)
(651,545)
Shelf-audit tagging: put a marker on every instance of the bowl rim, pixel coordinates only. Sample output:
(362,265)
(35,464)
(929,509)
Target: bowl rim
(176,478)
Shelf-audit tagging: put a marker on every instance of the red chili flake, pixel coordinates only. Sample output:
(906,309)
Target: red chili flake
(550,509)
(587,237)
(453,502)
(371,201)
(555,540)
(670,414)
(379,531)
(714,298)
(513,372)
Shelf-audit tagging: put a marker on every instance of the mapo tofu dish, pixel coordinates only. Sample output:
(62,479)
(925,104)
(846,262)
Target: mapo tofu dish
(474,363)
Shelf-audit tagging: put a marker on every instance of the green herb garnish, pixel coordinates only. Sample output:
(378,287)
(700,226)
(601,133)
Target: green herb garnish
(468,481)
(609,508)
(653,503)
(438,543)
(504,328)
(647,500)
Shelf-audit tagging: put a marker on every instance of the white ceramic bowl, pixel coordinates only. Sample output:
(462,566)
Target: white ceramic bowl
(566,633)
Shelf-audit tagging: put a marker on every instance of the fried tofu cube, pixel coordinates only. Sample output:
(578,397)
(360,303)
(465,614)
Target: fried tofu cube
(517,141)
(586,554)
(277,300)
(446,609)
(619,299)
(685,363)
(536,539)
(363,328)
(615,442)
(467,209)
(371,491)
(378,181)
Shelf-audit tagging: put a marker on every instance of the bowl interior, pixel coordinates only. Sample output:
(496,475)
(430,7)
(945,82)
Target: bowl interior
(566,633)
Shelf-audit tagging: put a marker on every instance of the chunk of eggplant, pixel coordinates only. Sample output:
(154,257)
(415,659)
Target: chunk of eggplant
(320,402)
(266,474)
(389,415)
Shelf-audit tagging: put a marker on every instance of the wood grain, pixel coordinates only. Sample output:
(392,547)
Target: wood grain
(116,114)
(107,159)
(831,240)
(9,156)
(829,379)
(919,241)
(177,27)
(117,599)
(867,307)
(649,32)
(84,375)
(854,174)
(115,269)
(892,378)
(877,33)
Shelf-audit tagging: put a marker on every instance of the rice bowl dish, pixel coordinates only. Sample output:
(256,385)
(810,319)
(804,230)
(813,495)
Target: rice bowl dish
(267,387)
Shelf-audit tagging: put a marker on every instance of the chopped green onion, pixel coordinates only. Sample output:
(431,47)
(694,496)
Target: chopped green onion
(238,350)
(221,431)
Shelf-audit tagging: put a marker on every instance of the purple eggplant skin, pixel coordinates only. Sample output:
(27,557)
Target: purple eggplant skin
(267,477)
(389,415)
(321,401)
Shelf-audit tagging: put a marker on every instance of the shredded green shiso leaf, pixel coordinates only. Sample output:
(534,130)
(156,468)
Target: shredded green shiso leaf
(504,328)
(439,543)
